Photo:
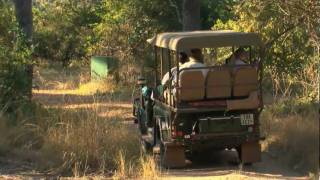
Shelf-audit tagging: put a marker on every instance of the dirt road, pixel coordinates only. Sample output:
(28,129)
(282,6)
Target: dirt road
(218,166)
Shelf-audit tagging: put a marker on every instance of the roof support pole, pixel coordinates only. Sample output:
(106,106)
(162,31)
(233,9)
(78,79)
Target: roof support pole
(177,81)
(161,61)
(155,49)
(170,74)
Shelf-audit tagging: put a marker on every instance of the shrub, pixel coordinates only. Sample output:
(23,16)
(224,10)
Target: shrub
(15,55)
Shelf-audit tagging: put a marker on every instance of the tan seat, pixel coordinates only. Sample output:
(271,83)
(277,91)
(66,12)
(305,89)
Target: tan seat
(218,83)
(245,81)
(191,85)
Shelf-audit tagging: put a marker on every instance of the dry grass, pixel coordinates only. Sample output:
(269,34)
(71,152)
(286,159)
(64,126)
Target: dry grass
(291,123)
(47,76)
(88,142)
(292,129)
(96,87)
(70,81)
(79,143)
(75,142)
(80,130)
(149,168)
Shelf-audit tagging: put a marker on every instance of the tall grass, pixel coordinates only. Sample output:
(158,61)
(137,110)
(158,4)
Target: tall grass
(90,142)
(291,122)
(292,130)
(78,143)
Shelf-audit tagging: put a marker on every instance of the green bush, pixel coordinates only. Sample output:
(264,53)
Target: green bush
(64,29)
(15,54)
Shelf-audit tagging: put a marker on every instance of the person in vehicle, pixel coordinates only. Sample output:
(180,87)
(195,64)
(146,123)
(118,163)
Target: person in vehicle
(195,59)
(239,57)
(183,58)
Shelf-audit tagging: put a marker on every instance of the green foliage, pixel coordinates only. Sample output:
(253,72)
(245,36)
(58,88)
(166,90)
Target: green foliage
(211,11)
(125,27)
(290,32)
(15,55)
(64,29)
(70,30)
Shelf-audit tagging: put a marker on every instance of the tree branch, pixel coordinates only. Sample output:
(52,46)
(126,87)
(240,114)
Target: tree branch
(271,42)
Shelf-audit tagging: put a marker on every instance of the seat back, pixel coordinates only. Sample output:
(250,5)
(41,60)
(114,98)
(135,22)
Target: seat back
(219,83)
(245,81)
(191,85)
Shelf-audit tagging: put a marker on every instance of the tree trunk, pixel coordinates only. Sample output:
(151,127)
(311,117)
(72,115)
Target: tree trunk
(23,10)
(191,15)
(24,15)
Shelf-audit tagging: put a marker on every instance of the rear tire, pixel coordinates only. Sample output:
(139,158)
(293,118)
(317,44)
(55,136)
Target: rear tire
(238,149)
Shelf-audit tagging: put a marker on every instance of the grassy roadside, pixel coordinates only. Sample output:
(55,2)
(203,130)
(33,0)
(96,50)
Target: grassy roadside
(81,130)
(76,129)
(292,130)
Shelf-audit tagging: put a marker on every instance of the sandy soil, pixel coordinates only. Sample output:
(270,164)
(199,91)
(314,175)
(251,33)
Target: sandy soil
(219,167)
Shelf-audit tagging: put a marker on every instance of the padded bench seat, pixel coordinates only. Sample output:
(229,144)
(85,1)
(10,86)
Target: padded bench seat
(191,85)
(236,88)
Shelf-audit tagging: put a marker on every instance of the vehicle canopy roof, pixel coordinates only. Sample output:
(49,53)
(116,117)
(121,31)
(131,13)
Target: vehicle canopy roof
(183,41)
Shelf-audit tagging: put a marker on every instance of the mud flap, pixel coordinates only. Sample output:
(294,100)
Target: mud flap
(173,155)
(251,152)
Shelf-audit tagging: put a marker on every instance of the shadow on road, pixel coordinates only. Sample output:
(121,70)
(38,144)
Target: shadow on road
(224,163)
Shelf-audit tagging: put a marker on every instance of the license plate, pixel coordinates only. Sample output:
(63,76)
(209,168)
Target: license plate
(246,119)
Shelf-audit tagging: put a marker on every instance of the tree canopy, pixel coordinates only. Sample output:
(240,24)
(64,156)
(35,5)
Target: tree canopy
(69,31)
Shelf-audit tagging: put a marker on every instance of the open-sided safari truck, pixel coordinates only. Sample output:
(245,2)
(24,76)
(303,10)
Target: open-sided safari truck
(201,112)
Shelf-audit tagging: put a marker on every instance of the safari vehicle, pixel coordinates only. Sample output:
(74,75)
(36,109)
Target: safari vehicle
(205,112)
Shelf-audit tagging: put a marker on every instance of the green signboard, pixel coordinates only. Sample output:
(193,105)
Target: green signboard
(102,66)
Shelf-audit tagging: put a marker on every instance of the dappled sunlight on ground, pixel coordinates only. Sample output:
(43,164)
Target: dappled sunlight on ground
(116,113)
(74,91)
(93,105)
(56,92)
(68,99)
